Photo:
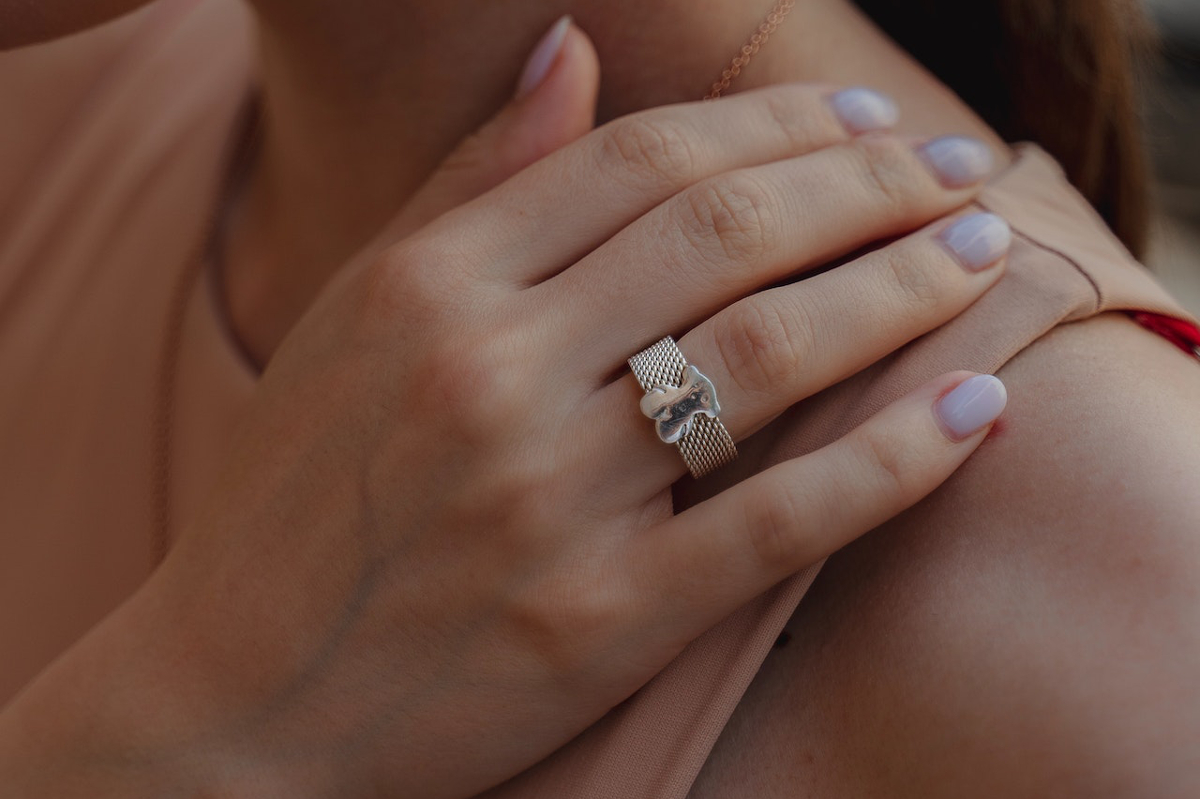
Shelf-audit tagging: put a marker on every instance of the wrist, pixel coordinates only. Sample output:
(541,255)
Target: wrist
(122,713)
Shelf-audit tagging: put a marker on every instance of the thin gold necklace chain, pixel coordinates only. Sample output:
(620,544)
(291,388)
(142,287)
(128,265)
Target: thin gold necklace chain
(751,48)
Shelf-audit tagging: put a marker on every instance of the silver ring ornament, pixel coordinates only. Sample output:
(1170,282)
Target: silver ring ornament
(684,406)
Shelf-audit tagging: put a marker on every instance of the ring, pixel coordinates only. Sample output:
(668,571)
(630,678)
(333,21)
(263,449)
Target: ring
(683,404)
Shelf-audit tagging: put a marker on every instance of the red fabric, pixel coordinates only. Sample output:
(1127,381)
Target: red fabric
(1182,334)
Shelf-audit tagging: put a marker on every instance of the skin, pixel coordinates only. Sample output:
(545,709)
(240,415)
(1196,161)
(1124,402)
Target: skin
(1003,639)
(362,661)
(278,260)
(782,736)
(340,89)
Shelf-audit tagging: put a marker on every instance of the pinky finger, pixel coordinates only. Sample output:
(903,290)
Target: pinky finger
(701,565)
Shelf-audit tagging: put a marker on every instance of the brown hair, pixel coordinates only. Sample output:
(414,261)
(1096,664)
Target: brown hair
(1062,73)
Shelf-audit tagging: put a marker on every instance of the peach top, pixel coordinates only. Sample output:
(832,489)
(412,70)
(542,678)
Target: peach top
(106,185)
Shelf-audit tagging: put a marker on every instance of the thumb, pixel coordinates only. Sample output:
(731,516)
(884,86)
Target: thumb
(554,104)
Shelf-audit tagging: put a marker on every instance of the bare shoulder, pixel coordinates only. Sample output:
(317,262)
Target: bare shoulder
(1109,413)
(1032,629)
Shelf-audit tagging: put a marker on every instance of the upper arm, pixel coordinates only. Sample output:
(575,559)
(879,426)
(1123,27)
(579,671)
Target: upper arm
(1031,629)
(1060,600)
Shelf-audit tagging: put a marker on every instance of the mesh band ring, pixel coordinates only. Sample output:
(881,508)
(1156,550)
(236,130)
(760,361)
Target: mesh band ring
(684,405)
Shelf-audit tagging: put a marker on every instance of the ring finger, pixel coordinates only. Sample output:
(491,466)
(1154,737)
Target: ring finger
(775,348)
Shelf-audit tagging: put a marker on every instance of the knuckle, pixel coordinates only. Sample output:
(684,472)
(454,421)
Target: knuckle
(888,463)
(731,217)
(912,281)
(565,617)
(760,350)
(777,527)
(888,171)
(512,503)
(409,281)
(471,384)
(652,149)
(802,117)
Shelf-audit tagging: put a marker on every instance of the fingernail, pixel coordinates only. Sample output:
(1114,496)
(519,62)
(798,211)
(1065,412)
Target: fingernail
(978,240)
(974,404)
(958,161)
(862,110)
(543,57)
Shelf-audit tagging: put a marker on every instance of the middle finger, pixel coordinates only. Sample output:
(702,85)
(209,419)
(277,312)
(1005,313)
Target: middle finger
(732,234)
(778,347)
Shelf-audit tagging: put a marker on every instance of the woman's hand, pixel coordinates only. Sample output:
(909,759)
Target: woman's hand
(445,544)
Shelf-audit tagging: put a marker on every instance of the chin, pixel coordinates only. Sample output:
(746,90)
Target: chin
(25,22)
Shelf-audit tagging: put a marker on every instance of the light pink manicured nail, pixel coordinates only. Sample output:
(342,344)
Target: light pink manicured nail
(974,404)
(978,240)
(862,110)
(543,57)
(958,161)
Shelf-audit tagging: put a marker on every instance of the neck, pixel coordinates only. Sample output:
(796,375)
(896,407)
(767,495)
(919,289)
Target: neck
(362,100)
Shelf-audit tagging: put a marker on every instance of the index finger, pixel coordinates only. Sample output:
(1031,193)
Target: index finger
(556,211)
